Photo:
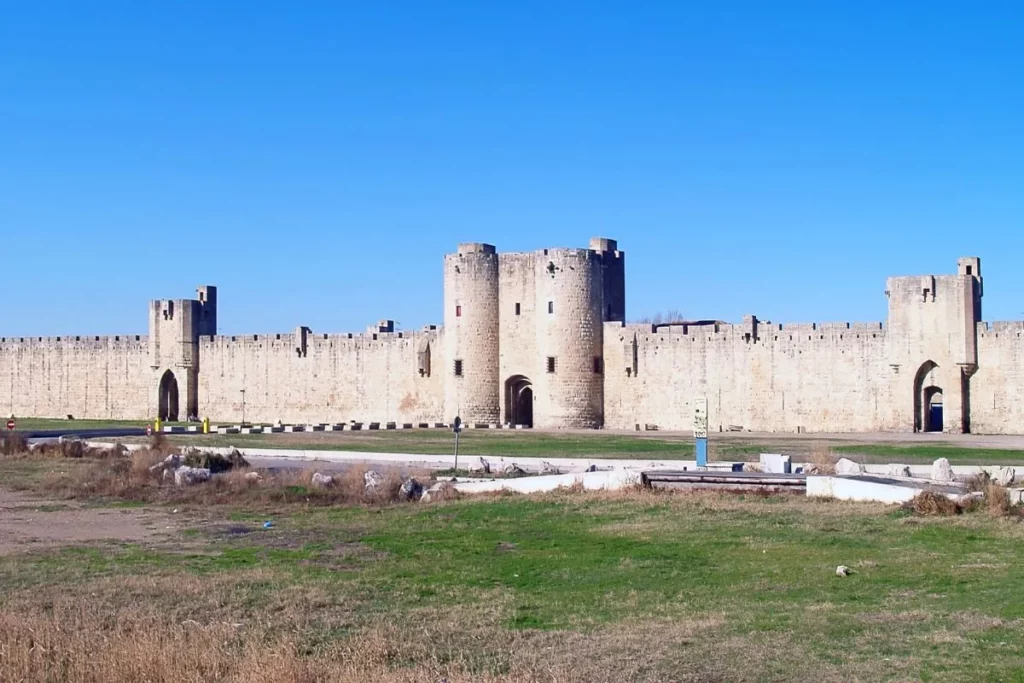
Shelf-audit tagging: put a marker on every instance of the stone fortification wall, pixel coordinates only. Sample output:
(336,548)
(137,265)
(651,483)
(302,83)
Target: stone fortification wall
(758,376)
(88,377)
(307,377)
(997,389)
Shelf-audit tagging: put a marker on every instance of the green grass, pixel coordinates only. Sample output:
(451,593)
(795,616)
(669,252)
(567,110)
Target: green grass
(762,570)
(42,423)
(485,443)
(929,453)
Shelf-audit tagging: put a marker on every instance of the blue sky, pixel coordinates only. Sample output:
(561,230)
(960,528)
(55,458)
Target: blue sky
(317,160)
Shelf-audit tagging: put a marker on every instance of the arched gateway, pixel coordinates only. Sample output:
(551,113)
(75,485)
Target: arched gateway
(519,401)
(168,410)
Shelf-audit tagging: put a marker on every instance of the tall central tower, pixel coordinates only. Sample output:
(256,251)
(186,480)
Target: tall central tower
(471,386)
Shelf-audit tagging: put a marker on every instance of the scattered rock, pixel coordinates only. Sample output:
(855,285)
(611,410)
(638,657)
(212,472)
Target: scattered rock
(1004,476)
(506,547)
(941,470)
(171,462)
(899,471)
(752,467)
(321,481)
(372,480)
(513,470)
(847,466)
(842,570)
(548,468)
(442,490)
(253,476)
(185,475)
(411,490)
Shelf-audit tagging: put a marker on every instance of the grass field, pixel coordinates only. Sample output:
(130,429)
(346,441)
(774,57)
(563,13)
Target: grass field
(604,445)
(569,587)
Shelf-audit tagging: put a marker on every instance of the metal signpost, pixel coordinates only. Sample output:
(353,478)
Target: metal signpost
(700,431)
(457,427)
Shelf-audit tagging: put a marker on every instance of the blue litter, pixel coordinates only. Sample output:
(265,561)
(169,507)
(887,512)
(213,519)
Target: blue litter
(268,525)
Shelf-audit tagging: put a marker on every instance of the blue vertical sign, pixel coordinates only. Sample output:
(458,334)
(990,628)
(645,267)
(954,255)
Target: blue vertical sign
(700,431)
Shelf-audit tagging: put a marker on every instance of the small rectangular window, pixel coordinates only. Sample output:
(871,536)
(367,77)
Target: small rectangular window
(551,307)
(551,363)
(969,269)
(518,309)
(598,365)
(458,368)
(458,311)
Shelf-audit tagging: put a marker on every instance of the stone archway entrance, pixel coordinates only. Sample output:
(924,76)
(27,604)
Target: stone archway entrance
(519,401)
(168,410)
(928,415)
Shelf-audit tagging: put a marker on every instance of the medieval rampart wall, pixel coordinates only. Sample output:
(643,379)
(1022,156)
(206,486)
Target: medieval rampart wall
(997,388)
(96,377)
(306,377)
(756,376)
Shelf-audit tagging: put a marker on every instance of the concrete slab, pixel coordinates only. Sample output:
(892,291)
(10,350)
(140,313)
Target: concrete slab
(869,488)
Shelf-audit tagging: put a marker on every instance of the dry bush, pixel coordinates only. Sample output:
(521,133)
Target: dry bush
(932,504)
(13,443)
(822,460)
(215,462)
(997,501)
(978,483)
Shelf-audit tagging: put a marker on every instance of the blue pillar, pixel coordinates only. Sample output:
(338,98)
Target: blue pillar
(702,452)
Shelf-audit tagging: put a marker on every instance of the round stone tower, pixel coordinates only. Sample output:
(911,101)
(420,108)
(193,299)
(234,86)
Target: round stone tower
(570,296)
(471,385)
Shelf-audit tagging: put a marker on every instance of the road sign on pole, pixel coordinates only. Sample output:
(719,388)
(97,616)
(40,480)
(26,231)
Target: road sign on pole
(11,424)
(456,428)
(700,431)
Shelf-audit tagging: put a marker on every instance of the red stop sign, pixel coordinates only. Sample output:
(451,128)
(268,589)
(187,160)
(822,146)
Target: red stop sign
(11,425)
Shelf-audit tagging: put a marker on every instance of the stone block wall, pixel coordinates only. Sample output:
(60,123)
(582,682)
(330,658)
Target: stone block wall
(307,377)
(88,377)
(759,377)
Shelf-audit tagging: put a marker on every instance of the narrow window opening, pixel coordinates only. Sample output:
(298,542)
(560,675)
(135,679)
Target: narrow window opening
(551,363)
(970,270)
(458,311)
(518,309)
(458,368)
(551,307)
(598,365)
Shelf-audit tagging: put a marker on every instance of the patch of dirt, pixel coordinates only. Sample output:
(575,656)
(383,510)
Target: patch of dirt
(30,523)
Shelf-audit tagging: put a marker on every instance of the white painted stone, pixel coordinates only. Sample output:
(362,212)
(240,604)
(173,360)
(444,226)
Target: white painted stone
(319,480)
(941,471)
(899,471)
(1004,476)
(846,466)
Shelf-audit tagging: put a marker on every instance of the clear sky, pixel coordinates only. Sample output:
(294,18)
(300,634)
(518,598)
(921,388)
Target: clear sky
(316,160)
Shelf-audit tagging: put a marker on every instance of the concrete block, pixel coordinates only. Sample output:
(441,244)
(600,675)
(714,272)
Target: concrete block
(774,463)
(374,425)
(316,428)
(276,429)
(389,425)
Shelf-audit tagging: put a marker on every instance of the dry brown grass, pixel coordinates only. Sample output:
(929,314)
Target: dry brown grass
(822,459)
(127,476)
(932,504)
(997,501)
(115,638)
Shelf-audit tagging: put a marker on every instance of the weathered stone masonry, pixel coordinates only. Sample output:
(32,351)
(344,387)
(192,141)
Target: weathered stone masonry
(539,338)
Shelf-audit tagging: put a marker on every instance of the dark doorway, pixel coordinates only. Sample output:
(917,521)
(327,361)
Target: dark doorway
(933,396)
(168,411)
(519,401)
(925,389)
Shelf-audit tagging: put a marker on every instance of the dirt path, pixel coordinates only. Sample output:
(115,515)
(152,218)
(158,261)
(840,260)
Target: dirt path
(30,523)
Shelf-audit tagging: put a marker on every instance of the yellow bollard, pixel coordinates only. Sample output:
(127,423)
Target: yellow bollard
(157,426)
(206,425)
